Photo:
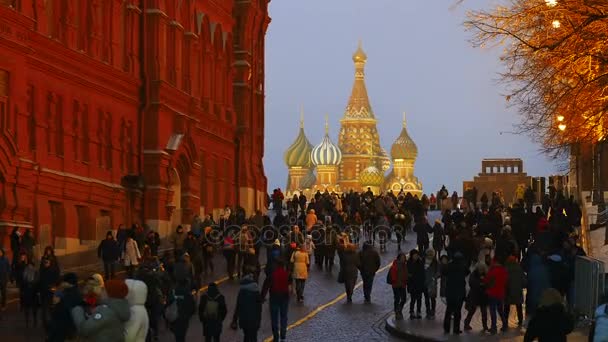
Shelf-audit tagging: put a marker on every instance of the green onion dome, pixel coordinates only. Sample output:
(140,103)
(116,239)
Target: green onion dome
(404,147)
(298,154)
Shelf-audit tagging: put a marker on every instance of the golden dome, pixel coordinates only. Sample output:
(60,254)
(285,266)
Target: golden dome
(359,56)
(371,176)
(404,147)
(298,154)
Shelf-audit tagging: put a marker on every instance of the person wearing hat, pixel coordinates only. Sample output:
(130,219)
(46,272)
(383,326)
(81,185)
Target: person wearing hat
(211,312)
(107,321)
(109,252)
(311,220)
(61,326)
(431,273)
(438,237)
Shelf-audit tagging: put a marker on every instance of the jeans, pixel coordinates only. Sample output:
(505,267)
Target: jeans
(278,310)
(109,268)
(368,282)
(300,283)
(349,287)
(415,300)
(484,316)
(429,303)
(453,308)
(497,305)
(230,262)
(520,312)
(399,295)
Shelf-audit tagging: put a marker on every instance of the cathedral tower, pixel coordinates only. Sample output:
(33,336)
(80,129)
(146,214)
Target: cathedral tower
(327,157)
(404,153)
(297,159)
(359,140)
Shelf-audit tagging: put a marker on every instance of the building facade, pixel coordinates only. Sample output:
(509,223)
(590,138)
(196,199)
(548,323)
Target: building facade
(358,161)
(125,111)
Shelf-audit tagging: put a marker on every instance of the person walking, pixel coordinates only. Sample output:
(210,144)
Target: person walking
(137,327)
(49,276)
(27,244)
(186,306)
(369,264)
(229,251)
(248,311)
(415,283)
(131,256)
(5,275)
(477,297)
(456,273)
(349,268)
(109,252)
(211,312)
(30,294)
(278,284)
(422,230)
(397,278)
(300,261)
(516,280)
(177,241)
(496,285)
(551,322)
(431,273)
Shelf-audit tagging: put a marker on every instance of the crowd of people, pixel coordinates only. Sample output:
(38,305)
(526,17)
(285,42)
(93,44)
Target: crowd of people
(497,251)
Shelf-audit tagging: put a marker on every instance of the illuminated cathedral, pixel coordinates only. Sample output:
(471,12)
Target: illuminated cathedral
(358,161)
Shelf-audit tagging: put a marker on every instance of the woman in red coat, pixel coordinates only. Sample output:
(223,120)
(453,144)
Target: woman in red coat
(496,287)
(397,277)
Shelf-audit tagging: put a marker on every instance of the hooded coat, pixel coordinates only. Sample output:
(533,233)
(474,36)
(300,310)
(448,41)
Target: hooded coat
(212,327)
(136,329)
(249,305)
(62,325)
(106,322)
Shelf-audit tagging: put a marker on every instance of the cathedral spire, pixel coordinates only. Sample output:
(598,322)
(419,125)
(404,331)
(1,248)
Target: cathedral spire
(326,124)
(404,122)
(301,116)
(358,106)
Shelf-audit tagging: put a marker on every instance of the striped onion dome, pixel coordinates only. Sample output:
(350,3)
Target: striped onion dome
(298,154)
(385,160)
(326,153)
(404,147)
(371,176)
(308,181)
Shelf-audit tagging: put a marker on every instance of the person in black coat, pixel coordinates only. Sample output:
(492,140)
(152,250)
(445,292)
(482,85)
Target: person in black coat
(551,322)
(422,229)
(109,252)
(369,263)
(415,282)
(185,308)
(15,245)
(212,312)
(49,276)
(248,311)
(477,296)
(456,274)
(61,327)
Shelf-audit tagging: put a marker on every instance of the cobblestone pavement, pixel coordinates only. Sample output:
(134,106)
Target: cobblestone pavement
(324,315)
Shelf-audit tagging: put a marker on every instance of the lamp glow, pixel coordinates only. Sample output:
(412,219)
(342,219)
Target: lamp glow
(560,118)
(561,127)
(556,24)
(551,3)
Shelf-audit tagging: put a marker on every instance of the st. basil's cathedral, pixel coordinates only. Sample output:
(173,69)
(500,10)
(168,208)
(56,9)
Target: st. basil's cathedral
(358,161)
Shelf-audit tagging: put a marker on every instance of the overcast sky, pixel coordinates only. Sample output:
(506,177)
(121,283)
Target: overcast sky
(419,61)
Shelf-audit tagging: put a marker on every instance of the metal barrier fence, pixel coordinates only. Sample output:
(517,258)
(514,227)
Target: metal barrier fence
(589,285)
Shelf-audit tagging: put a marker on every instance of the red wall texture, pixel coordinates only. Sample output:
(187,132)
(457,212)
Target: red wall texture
(123,111)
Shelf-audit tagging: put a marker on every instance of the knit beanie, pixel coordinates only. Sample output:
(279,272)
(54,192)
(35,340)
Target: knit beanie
(117,288)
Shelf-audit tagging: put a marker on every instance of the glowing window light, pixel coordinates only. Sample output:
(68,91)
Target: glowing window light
(562,127)
(556,24)
(560,118)
(551,3)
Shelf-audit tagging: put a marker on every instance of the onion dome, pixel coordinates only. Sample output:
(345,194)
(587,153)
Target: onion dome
(308,181)
(371,176)
(326,153)
(404,147)
(298,154)
(359,56)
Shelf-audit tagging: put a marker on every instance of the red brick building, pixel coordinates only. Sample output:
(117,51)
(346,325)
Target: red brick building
(122,111)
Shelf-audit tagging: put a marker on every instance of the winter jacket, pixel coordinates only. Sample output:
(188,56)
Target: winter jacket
(349,264)
(550,324)
(277,283)
(108,250)
(538,279)
(600,326)
(212,326)
(106,322)
(136,328)
(516,281)
(62,325)
(369,260)
(422,233)
(477,293)
(416,276)
(455,284)
(131,254)
(177,240)
(5,270)
(300,262)
(559,273)
(438,237)
(186,306)
(496,282)
(248,311)
(431,273)
(398,275)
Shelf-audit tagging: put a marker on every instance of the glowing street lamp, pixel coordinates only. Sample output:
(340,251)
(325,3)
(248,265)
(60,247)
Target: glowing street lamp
(556,24)
(560,118)
(551,3)
(562,127)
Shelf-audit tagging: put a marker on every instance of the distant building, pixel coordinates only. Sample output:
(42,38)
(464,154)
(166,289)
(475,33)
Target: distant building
(500,176)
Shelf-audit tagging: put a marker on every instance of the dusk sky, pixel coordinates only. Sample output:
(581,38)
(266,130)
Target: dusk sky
(419,61)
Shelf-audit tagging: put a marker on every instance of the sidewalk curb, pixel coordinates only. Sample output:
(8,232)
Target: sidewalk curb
(407,335)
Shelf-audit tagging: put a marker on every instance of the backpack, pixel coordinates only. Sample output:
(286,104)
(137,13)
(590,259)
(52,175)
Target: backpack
(172,311)
(212,308)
